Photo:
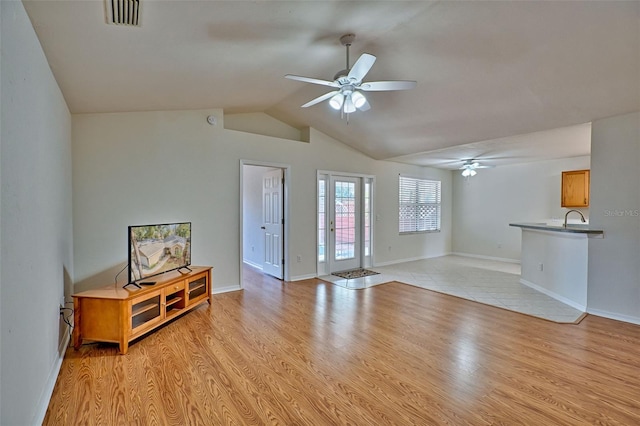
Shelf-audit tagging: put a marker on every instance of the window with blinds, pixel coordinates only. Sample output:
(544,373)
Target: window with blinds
(419,205)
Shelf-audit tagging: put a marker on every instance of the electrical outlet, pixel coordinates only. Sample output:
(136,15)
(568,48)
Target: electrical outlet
(61,309)
(541,266)
(299,258)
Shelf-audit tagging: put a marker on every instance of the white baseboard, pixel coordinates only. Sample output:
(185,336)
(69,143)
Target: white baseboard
(250,263)
(614,316)
(479,256)
(556,296)
(226,289)
(47,392)
(303,277)
(411,259)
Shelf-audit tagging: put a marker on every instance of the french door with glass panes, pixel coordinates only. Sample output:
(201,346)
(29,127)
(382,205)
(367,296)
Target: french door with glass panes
(344,223)
(344,232)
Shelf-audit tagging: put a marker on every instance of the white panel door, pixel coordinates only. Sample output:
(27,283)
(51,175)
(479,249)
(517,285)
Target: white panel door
(272,215)
(344,224)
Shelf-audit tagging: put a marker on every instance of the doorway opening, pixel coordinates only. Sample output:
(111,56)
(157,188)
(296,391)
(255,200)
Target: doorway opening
(264,208)
(344,219)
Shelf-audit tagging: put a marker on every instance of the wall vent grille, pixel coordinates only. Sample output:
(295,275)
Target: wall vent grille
(123,12)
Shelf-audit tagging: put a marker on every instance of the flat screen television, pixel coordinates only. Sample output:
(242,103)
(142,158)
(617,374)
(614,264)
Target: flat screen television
(156,249)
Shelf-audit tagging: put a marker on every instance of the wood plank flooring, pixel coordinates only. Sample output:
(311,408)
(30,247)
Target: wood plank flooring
(311,353)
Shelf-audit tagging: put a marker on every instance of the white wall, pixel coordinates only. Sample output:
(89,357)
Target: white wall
(144,167)
(36,245)
(1,329)
(614,261)
(141,168)
(390,246)
(261,124)
(485,204)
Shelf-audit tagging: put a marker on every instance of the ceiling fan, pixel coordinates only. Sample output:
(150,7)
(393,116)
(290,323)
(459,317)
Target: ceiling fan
(469,167)
(349,86)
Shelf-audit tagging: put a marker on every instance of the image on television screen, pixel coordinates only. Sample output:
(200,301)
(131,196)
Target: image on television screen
(154,249)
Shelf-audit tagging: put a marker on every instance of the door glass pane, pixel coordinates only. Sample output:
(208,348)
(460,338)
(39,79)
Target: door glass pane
(345,231)
(321,220)
(367,219)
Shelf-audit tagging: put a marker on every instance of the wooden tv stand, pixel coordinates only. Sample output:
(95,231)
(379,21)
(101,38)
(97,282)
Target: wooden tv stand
(119,315)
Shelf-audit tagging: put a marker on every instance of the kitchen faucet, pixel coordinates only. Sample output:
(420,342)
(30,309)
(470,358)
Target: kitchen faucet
(580,213)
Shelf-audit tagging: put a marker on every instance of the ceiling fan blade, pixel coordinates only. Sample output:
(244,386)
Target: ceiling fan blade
(473,164)
(361,67)
(320,98)
(382,86)
(312,80)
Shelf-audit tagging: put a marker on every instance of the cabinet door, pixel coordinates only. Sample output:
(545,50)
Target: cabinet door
(197,288)
(146,311)
(575,188)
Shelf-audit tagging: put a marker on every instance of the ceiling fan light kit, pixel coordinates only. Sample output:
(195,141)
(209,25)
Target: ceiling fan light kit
(336,101)
(358,99)
(348,96)
(349,106)
(469,168)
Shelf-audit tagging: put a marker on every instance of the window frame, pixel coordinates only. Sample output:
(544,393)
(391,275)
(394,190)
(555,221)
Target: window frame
(417,183)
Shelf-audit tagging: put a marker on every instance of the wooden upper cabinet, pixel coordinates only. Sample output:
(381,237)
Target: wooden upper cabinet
(575,188)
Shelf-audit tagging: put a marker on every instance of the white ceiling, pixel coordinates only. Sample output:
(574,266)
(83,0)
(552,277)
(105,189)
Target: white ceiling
(486,71)
(563,142)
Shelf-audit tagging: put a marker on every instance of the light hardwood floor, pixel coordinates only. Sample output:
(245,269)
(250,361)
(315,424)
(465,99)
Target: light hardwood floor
(312,353)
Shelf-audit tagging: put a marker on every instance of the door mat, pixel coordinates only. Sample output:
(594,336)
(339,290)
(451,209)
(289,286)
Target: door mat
(355,273)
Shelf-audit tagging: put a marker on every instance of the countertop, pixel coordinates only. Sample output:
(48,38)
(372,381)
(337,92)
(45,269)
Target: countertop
(571,228)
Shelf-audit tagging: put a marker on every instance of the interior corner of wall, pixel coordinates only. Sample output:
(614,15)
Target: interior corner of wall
(305,134)
(219,114)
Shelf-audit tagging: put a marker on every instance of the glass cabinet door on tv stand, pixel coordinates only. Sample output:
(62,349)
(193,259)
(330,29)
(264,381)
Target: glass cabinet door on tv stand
(197,288)
(146,311)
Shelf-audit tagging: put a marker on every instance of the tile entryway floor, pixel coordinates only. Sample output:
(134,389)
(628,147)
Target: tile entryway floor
(485,281)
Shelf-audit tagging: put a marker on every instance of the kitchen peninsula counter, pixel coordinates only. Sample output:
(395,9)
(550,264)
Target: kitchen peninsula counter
(554,260)
(572,228)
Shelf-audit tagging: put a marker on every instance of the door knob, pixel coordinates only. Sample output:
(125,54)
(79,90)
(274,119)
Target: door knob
(262,227)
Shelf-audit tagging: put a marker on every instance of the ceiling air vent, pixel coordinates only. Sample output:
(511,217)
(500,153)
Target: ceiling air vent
(123,12)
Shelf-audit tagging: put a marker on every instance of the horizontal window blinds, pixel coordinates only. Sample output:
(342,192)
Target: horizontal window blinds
(419,205)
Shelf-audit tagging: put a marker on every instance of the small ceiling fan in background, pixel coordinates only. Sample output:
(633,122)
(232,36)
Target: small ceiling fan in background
(348,83)
(469,167)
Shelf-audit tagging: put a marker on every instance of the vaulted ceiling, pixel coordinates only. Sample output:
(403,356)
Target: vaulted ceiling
(486,70)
